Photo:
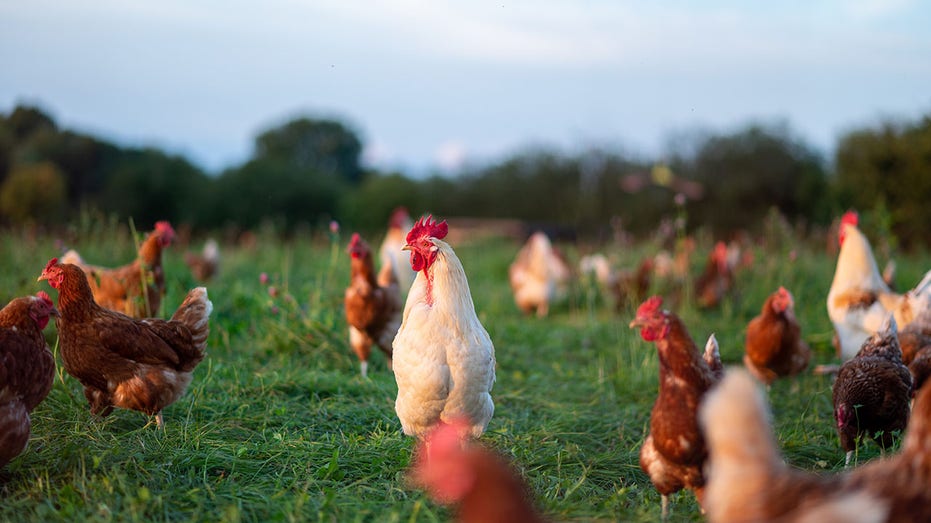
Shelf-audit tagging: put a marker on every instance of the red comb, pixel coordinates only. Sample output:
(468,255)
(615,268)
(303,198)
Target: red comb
(427,226)
(51,263)
(650,306)
(850,218)
(42,295)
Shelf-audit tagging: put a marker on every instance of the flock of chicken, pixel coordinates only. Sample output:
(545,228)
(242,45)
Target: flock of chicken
(709,428)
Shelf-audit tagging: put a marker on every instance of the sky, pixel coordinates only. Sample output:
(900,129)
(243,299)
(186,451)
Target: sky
(442,84)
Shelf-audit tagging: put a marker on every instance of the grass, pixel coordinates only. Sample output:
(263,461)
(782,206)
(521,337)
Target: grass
(279,426)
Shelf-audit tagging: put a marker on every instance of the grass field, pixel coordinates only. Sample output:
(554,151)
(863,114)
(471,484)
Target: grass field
(279,426)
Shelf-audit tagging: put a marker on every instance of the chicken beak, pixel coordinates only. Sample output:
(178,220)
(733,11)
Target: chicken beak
(41,277)
(407,247)
(635,323)
(54,312)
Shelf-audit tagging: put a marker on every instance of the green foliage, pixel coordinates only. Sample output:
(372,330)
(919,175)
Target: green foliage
(324,146)
(33,193)
(890,167)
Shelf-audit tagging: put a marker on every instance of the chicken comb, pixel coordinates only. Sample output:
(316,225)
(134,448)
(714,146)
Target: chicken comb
(426,226)
(650,307)
(850,218)
(164,228)
(42,295)
(356,244)
(51,263)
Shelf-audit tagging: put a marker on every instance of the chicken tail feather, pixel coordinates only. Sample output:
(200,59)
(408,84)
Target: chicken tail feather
(194,313)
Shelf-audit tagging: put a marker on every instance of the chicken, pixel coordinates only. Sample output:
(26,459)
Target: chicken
(204,265)
(27,369)
(121,289)
(620,285)
(373,306)
(674,451)
(391,252)
(716,281)
(748,480)
(774,347)
(444,360)
(872,391)
(859,300)
(137,364)
(537,275)
(483,486)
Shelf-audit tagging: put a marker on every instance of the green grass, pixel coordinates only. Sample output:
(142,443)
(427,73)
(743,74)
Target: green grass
(279,426)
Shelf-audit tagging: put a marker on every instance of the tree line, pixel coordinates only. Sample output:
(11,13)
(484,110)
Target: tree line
(308,171)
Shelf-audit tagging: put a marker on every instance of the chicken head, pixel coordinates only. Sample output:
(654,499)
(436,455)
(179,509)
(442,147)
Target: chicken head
(423,251)
(652,319)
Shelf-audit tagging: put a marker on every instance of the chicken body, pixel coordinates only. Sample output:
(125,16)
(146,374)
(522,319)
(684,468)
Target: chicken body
(27,369)
(674,452)
(859,299)
(204,265)
(750,482)
(391,251)
(143,365)
(444,360)
(536,275)
(373,307)
(135,289)
(716,281)
(872,392)
(482,486)
(774,347)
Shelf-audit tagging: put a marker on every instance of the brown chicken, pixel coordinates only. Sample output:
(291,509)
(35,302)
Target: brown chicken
(27,368)
(748,480)
(716,281)
(774,347)
(483,486)
(121,289)
(674,451)
(204,265)
(373,305)
(872,391)
(143,365)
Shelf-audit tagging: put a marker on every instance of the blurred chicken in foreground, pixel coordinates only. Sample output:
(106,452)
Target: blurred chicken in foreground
(483,487)
(749,481)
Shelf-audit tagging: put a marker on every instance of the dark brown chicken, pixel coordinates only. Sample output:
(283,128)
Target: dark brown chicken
(26,369)
(483,487)
(774,347)
(872,391)
(749,480)
(716,281)
(121,289)
(674,451)
(142,365)
(373,305)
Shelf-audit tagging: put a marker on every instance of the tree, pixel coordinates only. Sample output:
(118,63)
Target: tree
(33,193)
(325,146)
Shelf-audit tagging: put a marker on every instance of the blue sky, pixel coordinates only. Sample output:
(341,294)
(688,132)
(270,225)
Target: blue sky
(439,83)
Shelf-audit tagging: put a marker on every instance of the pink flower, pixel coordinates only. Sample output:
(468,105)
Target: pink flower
(334,226)
(263,278)
(273,291)
(793,255)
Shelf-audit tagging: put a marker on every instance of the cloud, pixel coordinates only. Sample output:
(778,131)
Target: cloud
(450,155)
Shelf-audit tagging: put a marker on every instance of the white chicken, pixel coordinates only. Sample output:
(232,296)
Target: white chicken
(444,360)
(391,253)
(537,276)
(859,300)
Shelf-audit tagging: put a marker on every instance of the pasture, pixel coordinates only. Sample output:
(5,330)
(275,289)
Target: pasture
(278,425)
